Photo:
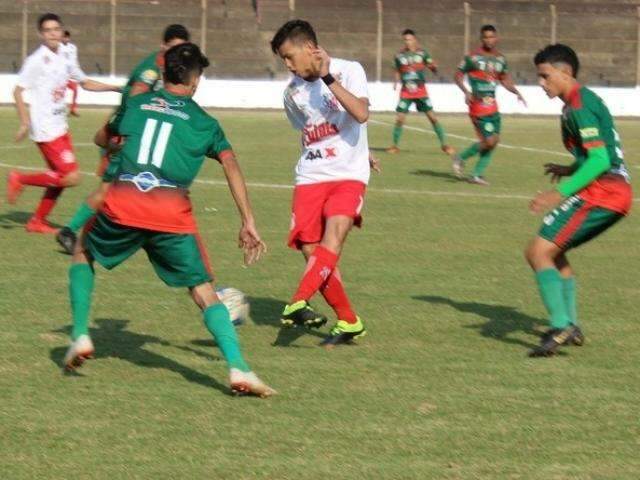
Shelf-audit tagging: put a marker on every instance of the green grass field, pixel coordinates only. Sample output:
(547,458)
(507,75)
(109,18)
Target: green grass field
(441,388)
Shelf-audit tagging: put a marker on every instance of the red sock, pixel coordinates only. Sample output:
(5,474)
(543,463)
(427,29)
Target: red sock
(333,292)
(320,265)
(42,179)
(47,203)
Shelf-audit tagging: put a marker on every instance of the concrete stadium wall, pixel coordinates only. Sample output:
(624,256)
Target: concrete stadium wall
(268,94)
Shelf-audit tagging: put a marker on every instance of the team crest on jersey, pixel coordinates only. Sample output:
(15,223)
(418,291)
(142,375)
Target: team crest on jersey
(146,181)
(149,76)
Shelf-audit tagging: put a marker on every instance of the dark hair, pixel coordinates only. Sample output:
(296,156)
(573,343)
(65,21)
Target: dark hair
(46,17)
(488,28)
(67,33)
(408,31)
(558,53)
(182,62)
(176,31)
(294,30)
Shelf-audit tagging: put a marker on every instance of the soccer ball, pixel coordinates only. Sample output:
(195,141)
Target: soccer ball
(236,302)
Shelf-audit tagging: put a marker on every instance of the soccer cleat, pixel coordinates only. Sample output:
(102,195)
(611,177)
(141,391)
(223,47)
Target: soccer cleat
(458,166)
(448,149)
(554,339)
(80,350)
(344,332)
(578,340)
(301,314)
(37,225)
(66,239)
(393,150)
(248,383)
(476,180)
(14,187)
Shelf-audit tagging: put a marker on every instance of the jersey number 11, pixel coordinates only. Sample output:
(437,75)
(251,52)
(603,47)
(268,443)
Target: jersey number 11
(154,149)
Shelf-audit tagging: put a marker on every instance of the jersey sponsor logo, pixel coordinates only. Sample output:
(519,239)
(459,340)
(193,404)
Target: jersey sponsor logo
(329,102)
(149,76)
(589,132)
(314,133)
(146,181)
(161,105)
(58,93)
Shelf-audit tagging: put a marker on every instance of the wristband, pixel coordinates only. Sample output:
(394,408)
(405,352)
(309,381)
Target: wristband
(328,79)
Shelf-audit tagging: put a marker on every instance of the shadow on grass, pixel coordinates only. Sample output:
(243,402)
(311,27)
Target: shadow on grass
(113,340)
(501,321)
(432,173)
(11,220)
(266,312)
(378,149)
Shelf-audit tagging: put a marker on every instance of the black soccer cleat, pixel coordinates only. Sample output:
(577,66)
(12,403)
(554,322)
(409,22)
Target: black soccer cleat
(301,314)
(66,239)
(344,333)
(554,339)
(577,341)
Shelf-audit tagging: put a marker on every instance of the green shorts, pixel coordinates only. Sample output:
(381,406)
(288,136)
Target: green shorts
(178,258)
(488,125)
(575,222)
(422,104)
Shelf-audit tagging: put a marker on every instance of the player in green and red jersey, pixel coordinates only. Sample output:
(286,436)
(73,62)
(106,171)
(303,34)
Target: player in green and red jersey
(147,206)
(484,68)
(410,66)
(596,195)
(146,76)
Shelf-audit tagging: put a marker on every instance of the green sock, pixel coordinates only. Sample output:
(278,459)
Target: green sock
(218,322)
(470,151)
(82,216)
(569,293)
(483,163)
(397,133)
(550,286)
(440,133)
(81,277)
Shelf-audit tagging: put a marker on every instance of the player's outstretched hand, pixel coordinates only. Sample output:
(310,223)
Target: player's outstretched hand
(22,132)
(322,58)
(522,101)
(251,243)
(374,163)
(557,171)
(544,201)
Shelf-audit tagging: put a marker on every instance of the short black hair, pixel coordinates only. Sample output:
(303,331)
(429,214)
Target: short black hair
(558,53)
(67,33)
(182,62)
(294,30)
(176,31)
(46,17)
(488,28)
(408,31)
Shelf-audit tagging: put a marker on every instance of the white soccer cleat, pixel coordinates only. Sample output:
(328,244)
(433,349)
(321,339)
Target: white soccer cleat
(478,181)
(248,383)
(80,350)
(457,165)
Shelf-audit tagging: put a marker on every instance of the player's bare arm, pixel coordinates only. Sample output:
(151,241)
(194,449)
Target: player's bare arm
(358,108)
(23,113)
(96,86)
(396,79)
(509,84)
(458,78)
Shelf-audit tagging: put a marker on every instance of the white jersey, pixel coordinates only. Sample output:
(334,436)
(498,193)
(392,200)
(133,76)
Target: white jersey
(70,52)
(44,75)
(334,145)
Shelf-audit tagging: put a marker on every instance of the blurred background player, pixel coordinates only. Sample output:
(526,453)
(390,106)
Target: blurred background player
(71,52)
(596,195)
(484,68)
(148,207)
(45,74)
(328,101)
(411,65)
(146,76)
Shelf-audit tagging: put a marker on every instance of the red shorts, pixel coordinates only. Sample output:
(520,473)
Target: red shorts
(314,203)
(59,154)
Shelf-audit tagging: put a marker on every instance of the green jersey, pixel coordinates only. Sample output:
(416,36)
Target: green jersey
(484,71)
(166,139)
(412,68)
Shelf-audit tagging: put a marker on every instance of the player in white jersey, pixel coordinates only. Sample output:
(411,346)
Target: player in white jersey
(44,75)
(327,100)
(71,52)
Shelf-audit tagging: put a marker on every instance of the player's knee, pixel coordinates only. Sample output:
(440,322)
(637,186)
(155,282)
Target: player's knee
(492,142)
(71,179)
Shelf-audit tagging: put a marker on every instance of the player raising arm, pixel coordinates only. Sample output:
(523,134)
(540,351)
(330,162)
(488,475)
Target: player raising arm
(595,196)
